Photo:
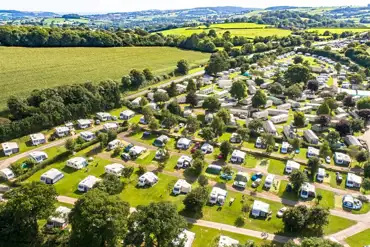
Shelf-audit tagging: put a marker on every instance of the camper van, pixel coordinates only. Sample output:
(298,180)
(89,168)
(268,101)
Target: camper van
(114,144)
(181,187)
(269,181)
(217,196)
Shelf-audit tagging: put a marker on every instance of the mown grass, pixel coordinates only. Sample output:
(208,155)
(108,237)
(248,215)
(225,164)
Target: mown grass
(338,30)
(359,239)
(25,69)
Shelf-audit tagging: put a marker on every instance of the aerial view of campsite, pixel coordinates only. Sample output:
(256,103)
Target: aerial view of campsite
(184,127)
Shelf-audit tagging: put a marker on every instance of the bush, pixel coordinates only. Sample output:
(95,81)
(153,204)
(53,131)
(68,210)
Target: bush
(240,222)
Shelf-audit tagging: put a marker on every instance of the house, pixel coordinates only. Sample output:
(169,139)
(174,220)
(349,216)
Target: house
(115,169)
(285,106)
(352,141)
(135,151)
(87,136)
(353,181)
(235,138)
(181,186)
(289,131)
(207,148)
(260,143)
(217,196)
(10,148)
(341,159)
(275,112)
(110,126)
(126,115)
(103,116)
(307,190)
(161,141)
(291,165)
(37,139)
(184,239)
(88,183)
(238,156)
(84,123)
(147,179)
(38,156)
(51,176)
(59,219)
(312,152)
(136,102)
(260,209)
(183,143)
(269,127)
(311,137)
(284,147)
(184,161)
(261,114)
(227,242)
(269,181)
(62,131)
(114,144)
(77,163)
(321,174)
(7,174)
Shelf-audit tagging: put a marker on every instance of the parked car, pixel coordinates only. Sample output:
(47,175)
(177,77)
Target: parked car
(226,176)
(257,176)
(146,134)
(327,159)
(125,156)
(256,183)
(281,212)
(240,184)
(128,147)
(220,156)
(339,177)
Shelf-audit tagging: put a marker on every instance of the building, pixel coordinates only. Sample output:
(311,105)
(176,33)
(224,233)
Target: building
(147,179)
(126,115)
(59,219)
(103,116)
(115,169)
(350,140)
(38,156)
(269,127)
(353,181)
(217,196)
(84,123)
(312,152)
(238,156)
(77,163)
(62,131)
(37,139)
(291,165)
(7,174)
(183,143)
(110,126)
(311,137)
(88,183)
(341,159)
(227,242)
(184,161)
(181,187)
(10,148)
(51,176)
(87,136)
(260,209)
(161,141)
(307,190)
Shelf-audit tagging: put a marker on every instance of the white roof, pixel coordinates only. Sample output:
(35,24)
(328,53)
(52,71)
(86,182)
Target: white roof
(86,133)
(7,172)
(239,154)
(127,112)
(293,164)
(308,187)
(115,167)
(89,181)
(206,146)
(185,158)
(314,151)
(114,142)
(77,160)
(52,173)
(184,141)
(181,183)
(35,154)
(62,129)
(321,171)
(261,206)
(270,177)
(190,236)
(110,125)
(150,176)
(227,241)
(137,100)
(137,149)
(342,156)
(103,114)
(83,121)
(9,145)
(37,136)
(218,192)
(61,214)
(354,178)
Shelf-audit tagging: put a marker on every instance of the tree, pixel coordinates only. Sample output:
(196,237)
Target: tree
(211,104)
(318,218)
(254,126)
(126,82)
(332,103)
(323,120)
(19,216)
(238,90)
(218,62)
(202,181)
(247,48)
(157,224)
(111,184)
(299,119)
(192,99)
(244,134)
(103,139)
(296,144)
(323,109)
(196,199)
(98,219)
(270,142)
(259,81)
(325,150)
(298,59)
(169,119)
(228,46)
(356,124)
(355,79)
(294,219)
(366,184)
(310,242)
(319,198)
(362,156)
(198,154)
(208,134)
(192,124)
(160,97)
(217,126)
(338,67)
(212,33)
(333,137)
(153,124)
(148,74)
(226,35)
(313,85)
(143,102)
(348,101)
(191,87)
(297,178)
(112,135)
(276,88)
(293,91)
(174,107)
(182,67)
(313,164)
(343,127)
(363,103)
(225,149)
(172,90)
(137,78)
(197,166)
(296,74)
(70,145)
(308,43)
(148,113)
(259,99)
(224,114)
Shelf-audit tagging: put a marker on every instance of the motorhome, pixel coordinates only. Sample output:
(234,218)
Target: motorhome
(110,126)
(260,209)
(147,179)
(235,138)
(181,187)
(312,152)
(135,151)
(184,161)
(217,196)
(238,156)
(342,159)
(321,174)
(183,143)
(114,144)
(206,148)
(77,163)
(291,165)
(269,181)
(84,123)
(115,169)
(284,147)
(307,190)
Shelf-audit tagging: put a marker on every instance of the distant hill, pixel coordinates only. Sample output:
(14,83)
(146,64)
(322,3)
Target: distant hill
(21,14)
(281,7)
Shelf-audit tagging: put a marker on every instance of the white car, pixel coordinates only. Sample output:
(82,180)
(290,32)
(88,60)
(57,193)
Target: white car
(327,159)
(281,212)
(240,184)
(256,183)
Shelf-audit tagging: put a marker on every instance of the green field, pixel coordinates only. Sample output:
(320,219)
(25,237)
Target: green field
(360,239)
(237,29)
(25,69)
(338,30)
(49,21)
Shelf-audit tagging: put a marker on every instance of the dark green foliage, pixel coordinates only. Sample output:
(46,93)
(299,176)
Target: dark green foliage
(111,184)
(196,199)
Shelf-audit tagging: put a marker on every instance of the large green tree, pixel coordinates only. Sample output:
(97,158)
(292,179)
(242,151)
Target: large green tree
(211,103)
(238,90)
(259,99)
(296,74)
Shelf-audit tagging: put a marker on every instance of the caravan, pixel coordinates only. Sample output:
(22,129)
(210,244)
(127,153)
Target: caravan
(88,183)
(77,163)
(52,176)
(147,179)
(217,196)
(114,144)
(181,186)
(115,169)
(279,118)
(260,114)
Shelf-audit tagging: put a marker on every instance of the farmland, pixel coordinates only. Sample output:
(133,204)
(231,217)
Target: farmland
(25,69)
(338,30)
(237,29)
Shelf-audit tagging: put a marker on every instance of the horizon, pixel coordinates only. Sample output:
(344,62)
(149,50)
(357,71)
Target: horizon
(86,7)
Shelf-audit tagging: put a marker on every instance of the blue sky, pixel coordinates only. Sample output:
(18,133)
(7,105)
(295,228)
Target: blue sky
(102,6)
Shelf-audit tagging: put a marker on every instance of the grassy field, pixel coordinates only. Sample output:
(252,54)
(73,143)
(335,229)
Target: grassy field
(339,30)
(25,69)
(240,29)
(360,239)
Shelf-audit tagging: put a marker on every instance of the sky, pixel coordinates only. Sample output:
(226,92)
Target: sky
(104,6)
